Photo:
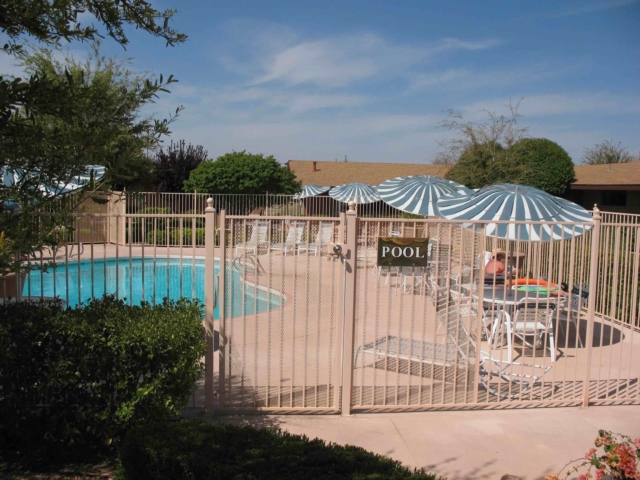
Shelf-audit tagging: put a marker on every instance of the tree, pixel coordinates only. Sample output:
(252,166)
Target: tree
(476,166)
(539,163)
(489,136)
(174,167)
(39,116)
(243,173)
(606,152)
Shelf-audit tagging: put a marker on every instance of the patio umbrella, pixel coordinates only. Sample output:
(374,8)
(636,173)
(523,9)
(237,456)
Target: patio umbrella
(310,191)
(357,192)
(517,203)
(418,194)
(95,172)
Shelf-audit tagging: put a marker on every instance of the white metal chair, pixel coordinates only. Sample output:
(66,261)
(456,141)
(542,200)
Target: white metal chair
(293,240)
(322,239)
(258,238)
(533,318)
(415,274)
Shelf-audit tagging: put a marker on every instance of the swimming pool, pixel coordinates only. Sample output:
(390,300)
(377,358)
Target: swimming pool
(136,280)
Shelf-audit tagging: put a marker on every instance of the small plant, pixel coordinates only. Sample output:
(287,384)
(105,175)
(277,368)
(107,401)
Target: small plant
(617,460)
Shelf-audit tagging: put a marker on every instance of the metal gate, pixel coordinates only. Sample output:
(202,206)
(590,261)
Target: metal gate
(279,311)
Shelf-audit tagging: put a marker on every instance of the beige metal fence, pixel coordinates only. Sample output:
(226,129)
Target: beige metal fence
(247,204)
(294,326)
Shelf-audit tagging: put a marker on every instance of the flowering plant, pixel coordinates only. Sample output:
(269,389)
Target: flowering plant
(618,459)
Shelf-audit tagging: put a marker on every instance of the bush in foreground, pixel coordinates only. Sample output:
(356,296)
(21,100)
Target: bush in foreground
(71,379)
(197,450)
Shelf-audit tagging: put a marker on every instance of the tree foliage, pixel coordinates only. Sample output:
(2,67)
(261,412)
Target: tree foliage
(477,165)
(100,123)
(496,150)
(40,116)
(175,165)
(605,153)
(489,135)
(539,163)
(244,173)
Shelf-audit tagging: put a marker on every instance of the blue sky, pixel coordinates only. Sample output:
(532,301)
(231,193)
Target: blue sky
(372,79)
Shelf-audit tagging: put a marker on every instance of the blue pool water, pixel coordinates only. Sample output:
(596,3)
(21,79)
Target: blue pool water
(137,281)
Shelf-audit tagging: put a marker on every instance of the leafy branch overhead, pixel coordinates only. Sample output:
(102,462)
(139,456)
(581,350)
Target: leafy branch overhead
(49,22)
(67,115)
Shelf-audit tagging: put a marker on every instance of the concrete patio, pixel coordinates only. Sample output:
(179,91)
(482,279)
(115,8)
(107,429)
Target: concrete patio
(467,445)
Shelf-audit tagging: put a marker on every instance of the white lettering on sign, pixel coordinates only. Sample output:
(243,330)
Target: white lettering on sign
(397,252)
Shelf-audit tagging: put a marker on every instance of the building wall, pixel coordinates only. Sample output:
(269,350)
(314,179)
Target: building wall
(588,198)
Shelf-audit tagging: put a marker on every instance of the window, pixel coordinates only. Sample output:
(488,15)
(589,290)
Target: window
(614,198)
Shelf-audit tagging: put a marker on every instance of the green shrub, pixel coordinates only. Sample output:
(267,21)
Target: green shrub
(539,163)
(159,237)
(197,450)
(83,376)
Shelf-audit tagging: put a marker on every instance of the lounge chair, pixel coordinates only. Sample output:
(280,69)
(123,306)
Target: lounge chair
(457,351)
(258,238)
(293,240)
(323,238)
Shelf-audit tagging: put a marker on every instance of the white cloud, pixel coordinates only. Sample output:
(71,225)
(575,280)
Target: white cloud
(465,79)
(566,103)
(340,61)
(591,8)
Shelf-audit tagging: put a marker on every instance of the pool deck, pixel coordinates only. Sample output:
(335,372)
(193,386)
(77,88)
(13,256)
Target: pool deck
(287,358)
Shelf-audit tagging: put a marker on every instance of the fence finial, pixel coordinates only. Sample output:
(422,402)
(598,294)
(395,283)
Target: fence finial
(352,206)
(209,204)
(596,212)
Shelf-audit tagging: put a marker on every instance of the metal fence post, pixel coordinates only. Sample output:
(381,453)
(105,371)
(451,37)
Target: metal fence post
(593,282)
(222,288)
(349,309)
(209,301)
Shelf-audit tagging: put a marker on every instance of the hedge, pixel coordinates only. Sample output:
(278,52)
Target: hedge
(159,237)
(82,377)
(196,450)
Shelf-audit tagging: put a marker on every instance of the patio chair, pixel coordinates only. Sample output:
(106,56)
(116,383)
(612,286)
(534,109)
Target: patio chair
(458,352)
(323,238)
(576,301)
(415,274)
(258,238)
(293,240)
(533,318)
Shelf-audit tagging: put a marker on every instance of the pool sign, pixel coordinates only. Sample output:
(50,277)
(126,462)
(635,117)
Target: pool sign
(402,252)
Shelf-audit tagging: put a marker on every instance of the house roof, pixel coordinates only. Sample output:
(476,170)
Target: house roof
(331,174)
(614,175)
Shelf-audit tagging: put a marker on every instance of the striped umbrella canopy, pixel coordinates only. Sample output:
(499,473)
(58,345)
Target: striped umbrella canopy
(52,189)
(518,203)
(311,191)
(418,194)
(357,192)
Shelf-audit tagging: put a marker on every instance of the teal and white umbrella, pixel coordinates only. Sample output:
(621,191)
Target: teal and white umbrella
(517,203)
(418,194)
(51,188)
(311,191)
(357,192)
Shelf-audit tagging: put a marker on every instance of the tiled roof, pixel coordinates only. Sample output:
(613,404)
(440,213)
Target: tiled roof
(337,173)
(330,173)
(614,174)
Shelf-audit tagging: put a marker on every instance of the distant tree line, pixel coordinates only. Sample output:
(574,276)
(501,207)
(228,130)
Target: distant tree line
(497,149)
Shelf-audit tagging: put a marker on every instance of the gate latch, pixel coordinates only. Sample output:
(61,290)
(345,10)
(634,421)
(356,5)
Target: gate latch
(337,250)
